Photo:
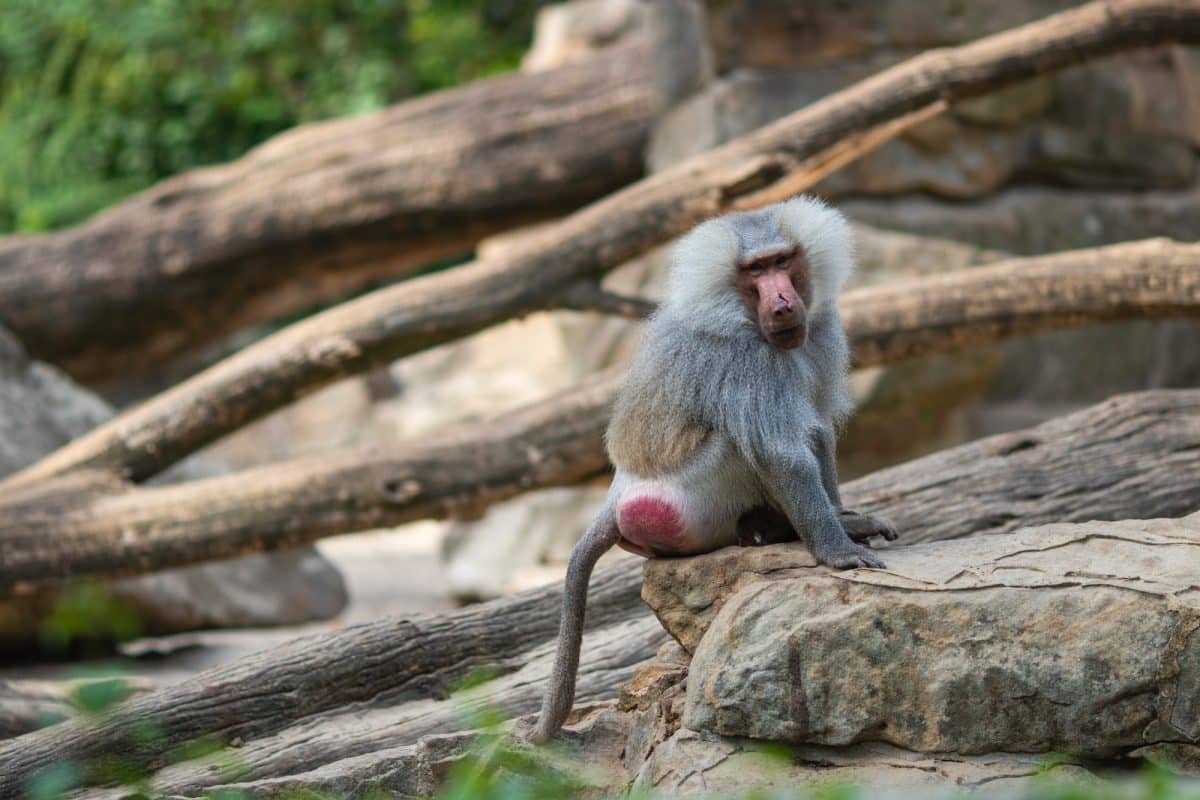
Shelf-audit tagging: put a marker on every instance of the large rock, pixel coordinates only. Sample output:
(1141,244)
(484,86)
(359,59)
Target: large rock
(664,757)
(1072,637)
(40,410)
(782,33)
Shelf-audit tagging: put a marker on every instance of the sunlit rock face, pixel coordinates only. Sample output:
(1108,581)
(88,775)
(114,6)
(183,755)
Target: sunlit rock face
(1073,637)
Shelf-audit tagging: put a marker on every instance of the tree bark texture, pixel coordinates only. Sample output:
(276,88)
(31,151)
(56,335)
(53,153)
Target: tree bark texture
(380,686)
(81,523)
(423,312)
(324,210)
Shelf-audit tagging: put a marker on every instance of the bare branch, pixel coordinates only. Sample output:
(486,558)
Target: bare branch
(1151,279)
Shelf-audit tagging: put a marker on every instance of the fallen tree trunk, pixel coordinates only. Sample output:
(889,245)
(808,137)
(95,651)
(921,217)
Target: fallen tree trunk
(74,526)
(1152,279)
(324,210)
(417,314)
(1133,456)
(47,534)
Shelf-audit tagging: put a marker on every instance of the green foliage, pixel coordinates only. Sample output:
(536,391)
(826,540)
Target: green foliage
(100,98)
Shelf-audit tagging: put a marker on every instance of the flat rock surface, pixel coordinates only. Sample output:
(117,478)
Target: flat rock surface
(1073,637)
(693,764)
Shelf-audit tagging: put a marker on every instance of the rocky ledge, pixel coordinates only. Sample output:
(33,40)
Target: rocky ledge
(1075,638)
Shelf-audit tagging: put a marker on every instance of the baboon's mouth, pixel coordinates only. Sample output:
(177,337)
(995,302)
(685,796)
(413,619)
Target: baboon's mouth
(792,336)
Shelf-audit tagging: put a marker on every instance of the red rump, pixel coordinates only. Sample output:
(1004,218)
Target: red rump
(650,520)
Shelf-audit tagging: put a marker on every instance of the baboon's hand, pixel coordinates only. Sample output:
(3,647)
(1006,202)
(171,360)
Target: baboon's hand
(863,527)
(847,555)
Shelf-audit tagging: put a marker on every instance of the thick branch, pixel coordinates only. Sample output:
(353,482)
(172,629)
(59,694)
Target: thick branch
(58,531)
(324,210)
(1150,279)
(1131,457)
(403,319)
(54,535)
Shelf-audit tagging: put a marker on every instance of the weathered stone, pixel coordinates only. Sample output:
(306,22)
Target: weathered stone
(885,255)
(914,408)
(654,698)
(40,410)
(1024,642)
(781,33)
(1099,159)
(970,153)
(1032,220)
(1010,106)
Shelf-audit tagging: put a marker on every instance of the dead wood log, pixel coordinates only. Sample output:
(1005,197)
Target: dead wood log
(345,747)
(324,210)
(58,528)
(46,535)
(1151,279)
(1130,457)
(403,319)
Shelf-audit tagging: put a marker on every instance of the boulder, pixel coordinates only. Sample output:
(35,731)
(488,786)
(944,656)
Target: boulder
(40,410)
(1077,638)
(1037,219)
(782,33)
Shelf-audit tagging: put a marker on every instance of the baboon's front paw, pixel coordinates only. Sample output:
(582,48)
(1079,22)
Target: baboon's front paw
(863,527)
(852,556)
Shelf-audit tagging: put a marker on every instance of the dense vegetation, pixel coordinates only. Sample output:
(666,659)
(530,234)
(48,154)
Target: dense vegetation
(100,98)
